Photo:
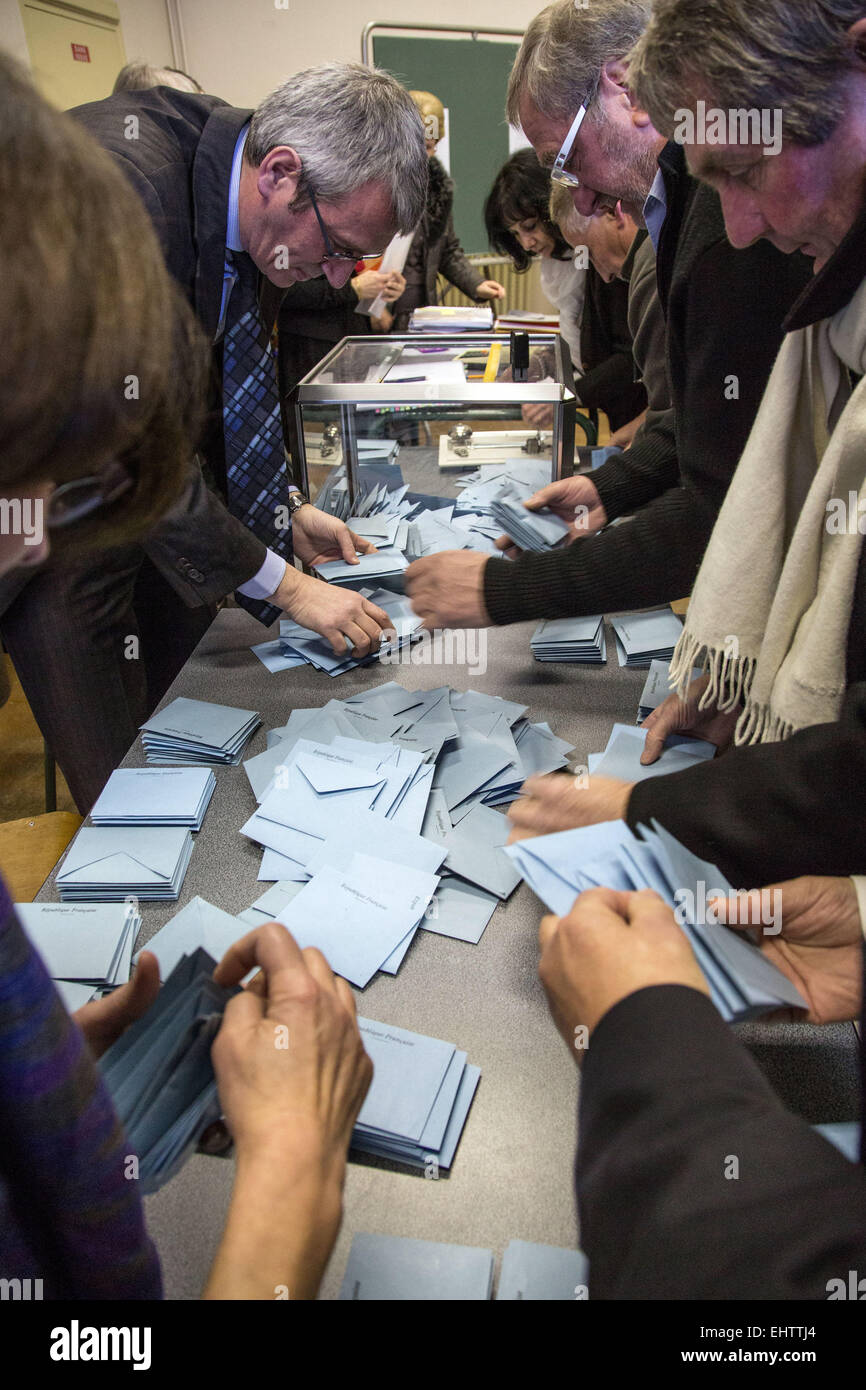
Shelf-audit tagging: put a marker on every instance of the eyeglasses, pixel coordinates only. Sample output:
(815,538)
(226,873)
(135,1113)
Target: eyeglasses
(341,260)
(558,173)
(74,501)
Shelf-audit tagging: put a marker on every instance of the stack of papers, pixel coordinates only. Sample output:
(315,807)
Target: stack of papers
(536,530)
(743,983)
(108,865)
(196,731)
(155,796)
(159,1072)
(570,639)
(86,947)
(392,1268)
(621,757)
(419,1099)
(435,318)
(642,638)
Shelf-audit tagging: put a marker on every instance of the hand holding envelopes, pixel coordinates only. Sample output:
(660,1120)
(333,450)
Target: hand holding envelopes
(743,983)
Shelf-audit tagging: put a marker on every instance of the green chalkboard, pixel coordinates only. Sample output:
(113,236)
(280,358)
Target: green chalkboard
(470,78)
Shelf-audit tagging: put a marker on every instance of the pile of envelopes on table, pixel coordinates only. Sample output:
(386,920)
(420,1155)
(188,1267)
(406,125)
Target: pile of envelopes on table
(155,796)
(642,638)
(419,1099)
(396,1269)
(381,807)
(743,982)
(110,863)
(86,947)
(531,530)
(298,646)
(198,731)
(570,639)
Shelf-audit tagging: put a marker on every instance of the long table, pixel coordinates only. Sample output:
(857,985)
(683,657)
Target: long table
(512,1177)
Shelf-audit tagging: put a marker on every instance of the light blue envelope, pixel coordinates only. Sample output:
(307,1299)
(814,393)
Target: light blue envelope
(354,922)
(199,924)
(460,910)
(542,1272)
(370,834)
(408,1073)
(155,795)
(391,1268)
(475,852)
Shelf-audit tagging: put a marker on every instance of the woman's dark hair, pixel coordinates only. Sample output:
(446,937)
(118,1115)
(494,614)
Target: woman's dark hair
(101,359)
(521,190)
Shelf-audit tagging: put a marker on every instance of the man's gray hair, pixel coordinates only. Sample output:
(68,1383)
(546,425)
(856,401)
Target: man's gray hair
(351,125)
(564,50)
(749,55)
(137,77)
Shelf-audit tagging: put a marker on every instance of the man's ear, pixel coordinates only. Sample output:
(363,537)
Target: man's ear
(279,174)
(614,82)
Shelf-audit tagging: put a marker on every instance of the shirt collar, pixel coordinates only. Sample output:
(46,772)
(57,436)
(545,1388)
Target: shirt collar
(655,209)
(233,235)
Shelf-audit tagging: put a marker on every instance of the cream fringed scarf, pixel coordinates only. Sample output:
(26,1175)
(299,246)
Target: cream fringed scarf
(772,601)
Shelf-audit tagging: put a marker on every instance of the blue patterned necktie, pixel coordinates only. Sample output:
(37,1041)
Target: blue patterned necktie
(256,479)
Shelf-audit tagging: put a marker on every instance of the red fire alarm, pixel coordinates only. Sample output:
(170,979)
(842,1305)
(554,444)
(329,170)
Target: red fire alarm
(81,53)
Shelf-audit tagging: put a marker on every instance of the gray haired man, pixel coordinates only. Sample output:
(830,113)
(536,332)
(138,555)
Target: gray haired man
(245,203)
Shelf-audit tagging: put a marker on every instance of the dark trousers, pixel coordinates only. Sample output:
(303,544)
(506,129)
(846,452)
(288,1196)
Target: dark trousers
(96,642)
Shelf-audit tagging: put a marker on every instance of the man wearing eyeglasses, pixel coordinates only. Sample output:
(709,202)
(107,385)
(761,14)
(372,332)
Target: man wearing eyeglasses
(246,203)
(569,92)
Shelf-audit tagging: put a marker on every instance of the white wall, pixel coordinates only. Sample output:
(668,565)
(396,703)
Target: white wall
(12,38)
(240,49)
(146,34)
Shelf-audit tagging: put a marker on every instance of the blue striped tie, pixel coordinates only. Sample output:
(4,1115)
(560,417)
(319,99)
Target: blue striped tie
(256,478)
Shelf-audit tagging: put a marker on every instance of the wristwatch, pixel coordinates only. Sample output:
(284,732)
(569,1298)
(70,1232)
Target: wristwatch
(296,501)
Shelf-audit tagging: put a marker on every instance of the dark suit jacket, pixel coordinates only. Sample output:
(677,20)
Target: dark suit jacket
(668,1099)
(179,161)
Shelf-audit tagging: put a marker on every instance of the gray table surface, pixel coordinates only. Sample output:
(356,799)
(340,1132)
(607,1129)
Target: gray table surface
(512,1177)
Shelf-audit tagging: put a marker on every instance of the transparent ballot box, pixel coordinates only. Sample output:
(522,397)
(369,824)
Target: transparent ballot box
(427,412)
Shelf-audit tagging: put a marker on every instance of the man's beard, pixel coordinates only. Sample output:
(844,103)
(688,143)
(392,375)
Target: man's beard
(635,171)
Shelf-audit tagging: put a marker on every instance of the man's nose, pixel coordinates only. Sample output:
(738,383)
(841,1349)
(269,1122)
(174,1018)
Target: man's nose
(744,221)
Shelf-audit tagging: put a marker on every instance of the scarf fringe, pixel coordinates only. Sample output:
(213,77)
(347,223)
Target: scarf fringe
(730,684)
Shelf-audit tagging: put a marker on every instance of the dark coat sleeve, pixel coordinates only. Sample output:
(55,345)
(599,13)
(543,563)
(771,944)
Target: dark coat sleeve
(453,263)
(671,1106)
(771,811)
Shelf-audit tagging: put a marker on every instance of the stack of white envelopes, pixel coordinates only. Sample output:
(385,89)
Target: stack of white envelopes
(196,731)
(743,982)
(570,639)
(109,864)
(642,638)
(87,947)
(621,757)
(155,796)
(419,1099)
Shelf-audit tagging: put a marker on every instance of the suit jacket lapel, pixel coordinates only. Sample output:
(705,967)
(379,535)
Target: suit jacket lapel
(211,174)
